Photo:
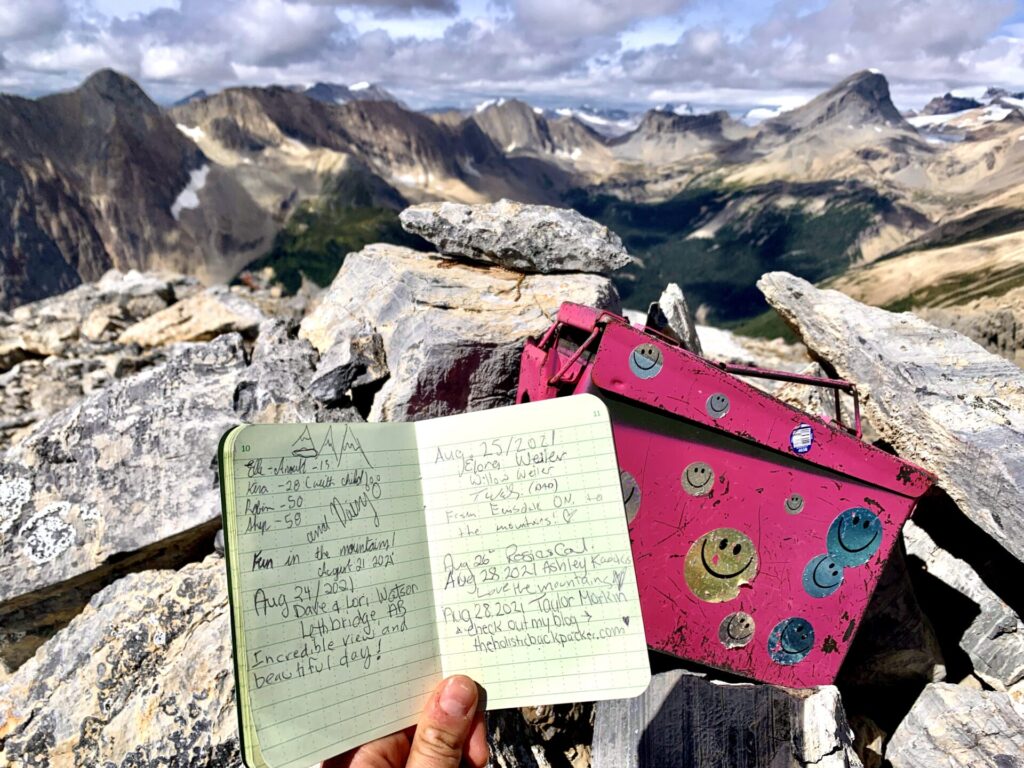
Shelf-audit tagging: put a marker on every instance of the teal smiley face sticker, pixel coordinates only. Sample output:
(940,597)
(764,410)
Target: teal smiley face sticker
(646,361)
(854,536)
(822,576)
(791,640)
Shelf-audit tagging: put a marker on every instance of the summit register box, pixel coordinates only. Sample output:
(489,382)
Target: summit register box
(759,532)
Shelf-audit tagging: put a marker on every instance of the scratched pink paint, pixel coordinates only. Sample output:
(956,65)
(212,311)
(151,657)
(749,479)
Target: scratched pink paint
(759,532)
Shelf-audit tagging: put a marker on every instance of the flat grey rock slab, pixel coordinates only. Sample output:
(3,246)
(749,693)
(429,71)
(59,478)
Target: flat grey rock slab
(937,397)
(526,238)
(686,720)
(956,727)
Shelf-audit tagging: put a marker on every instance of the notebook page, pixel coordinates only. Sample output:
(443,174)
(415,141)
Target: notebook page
(534,587)
(331,590)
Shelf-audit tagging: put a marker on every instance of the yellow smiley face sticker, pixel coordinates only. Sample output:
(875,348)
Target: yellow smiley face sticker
(719,563)
(698,479)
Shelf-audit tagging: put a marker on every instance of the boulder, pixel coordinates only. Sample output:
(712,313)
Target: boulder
(276,385)
(123,469)
(937,397)
(680,318)
(994,641)
(954,726)
(201,317)
(141,677)
(526,238)
(452,333)
(349,366)
(685,719)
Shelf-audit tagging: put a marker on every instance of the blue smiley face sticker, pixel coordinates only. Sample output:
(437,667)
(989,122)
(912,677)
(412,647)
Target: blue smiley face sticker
(646,361)
(822,576)
(791,641)
(854,536)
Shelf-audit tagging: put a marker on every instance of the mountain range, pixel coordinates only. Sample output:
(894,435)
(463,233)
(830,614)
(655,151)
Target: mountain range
(295,177)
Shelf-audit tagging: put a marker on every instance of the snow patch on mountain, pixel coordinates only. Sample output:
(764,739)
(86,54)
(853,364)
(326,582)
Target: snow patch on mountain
(614,122)
(965,119)
(195,133)
(675,109)
(760,114)
(488,104)
(189,196)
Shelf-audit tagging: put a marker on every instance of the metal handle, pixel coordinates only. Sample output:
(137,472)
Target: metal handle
(575,356)
(815,381)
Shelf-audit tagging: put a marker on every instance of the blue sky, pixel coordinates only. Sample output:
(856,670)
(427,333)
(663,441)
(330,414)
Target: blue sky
(635,53)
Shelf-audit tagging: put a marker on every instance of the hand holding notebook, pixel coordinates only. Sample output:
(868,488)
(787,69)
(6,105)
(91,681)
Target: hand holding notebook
(451,732)
(367,561)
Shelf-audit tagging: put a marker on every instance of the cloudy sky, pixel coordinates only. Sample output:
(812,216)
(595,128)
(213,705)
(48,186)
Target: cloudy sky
(711,53)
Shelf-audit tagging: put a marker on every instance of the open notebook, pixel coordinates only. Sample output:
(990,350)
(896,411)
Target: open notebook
(367,561)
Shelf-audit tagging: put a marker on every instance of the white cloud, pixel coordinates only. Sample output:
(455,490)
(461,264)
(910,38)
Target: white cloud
(551,18)
(21,19)
(390,7)
(546,51)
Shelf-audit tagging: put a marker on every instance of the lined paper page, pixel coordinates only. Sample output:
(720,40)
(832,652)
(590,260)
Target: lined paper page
(331,584)
(534,588)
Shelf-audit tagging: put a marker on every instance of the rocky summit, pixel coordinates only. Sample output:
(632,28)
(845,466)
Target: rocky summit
(115,644)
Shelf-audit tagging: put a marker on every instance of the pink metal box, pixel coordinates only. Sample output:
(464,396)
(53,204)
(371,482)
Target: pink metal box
(759,532)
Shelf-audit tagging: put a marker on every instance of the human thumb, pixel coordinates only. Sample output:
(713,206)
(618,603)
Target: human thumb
(445,725)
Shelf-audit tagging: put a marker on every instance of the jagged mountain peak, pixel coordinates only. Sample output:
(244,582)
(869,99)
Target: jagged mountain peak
(862,99)
(662,121)
(115,86)
(948,103)
(675,109)
(336,93)
(194,96)
(514,125)
(993,93)
(332,93)
(99,177)
(507,107)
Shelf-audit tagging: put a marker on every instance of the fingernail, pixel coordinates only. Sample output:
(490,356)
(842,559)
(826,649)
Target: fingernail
(458,697)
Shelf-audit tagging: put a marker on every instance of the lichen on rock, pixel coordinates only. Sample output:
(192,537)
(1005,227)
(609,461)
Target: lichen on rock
(141,678)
